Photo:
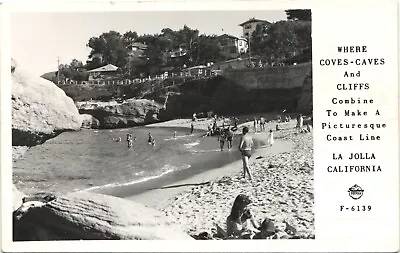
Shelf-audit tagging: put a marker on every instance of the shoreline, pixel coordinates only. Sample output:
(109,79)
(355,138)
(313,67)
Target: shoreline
(160,198)
(282,186)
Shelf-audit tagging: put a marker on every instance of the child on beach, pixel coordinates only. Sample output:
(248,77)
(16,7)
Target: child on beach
(271,138)
(246,143)
(237,223)
(221,138)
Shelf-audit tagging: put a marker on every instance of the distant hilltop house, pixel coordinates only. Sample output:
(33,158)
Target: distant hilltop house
(108,71)
(231,46)
(250,26)
(136,49)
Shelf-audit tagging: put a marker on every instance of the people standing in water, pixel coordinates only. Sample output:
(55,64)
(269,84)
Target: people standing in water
(174,134)
(129,140)
(222,138)
(245,146)
(271,138)
(191,128)
(229,137)
(151,140)
(255,124)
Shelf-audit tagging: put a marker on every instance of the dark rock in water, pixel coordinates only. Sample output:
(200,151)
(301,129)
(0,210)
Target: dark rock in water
(40,110)
(90,216)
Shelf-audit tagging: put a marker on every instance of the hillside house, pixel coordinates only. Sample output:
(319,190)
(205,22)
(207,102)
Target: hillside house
(108,71)
(231,46)
(250,26)
(200,70)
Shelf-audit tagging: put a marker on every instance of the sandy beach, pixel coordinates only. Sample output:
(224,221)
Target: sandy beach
(282,188)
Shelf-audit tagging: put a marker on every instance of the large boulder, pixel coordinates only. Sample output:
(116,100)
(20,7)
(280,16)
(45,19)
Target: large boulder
(90,216)
(131,112)
(40,110)
(89,122)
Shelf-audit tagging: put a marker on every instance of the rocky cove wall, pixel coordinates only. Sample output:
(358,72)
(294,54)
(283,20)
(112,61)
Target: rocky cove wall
(274,77)
(237,91)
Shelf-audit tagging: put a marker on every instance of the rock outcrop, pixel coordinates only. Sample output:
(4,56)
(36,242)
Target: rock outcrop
(17,197)
(89,122)
(132,112)
(90,216)
(40,110)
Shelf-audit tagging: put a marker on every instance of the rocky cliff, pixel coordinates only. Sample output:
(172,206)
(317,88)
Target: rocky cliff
(40,110)
(305,104)
(266,90)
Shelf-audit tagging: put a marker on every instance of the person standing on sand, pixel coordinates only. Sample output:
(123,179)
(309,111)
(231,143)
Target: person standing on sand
(262,124)
(271,138)
(255,124)
(246,143)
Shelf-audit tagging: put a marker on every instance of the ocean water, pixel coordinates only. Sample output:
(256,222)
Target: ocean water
(96,160)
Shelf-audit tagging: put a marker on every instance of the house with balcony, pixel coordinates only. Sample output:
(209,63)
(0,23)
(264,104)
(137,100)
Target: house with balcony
(108,71)
(231,46)
(250,26)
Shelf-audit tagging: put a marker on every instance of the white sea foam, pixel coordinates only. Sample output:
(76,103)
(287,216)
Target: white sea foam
(166,169)
(192,144)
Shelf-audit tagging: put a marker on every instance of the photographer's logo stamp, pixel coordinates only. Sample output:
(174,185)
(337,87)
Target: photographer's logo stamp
(355,192)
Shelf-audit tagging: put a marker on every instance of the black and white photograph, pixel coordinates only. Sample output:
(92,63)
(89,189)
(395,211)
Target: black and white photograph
(162,125)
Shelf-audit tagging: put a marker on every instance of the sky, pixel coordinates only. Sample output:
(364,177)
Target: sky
(38,39)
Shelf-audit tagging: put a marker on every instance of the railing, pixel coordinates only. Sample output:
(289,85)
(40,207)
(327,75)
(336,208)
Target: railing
(99,83)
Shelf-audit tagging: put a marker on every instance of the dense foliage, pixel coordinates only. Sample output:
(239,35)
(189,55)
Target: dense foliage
(186,47)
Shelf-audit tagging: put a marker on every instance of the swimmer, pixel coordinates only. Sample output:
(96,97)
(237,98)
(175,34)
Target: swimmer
(151,140)
(129,140)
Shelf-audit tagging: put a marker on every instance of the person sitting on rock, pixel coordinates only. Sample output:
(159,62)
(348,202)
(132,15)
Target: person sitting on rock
(237,222)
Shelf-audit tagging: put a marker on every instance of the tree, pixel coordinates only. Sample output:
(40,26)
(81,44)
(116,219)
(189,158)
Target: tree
(73,71)
(129,37)
(111,46)
(282,40)
(299,14)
